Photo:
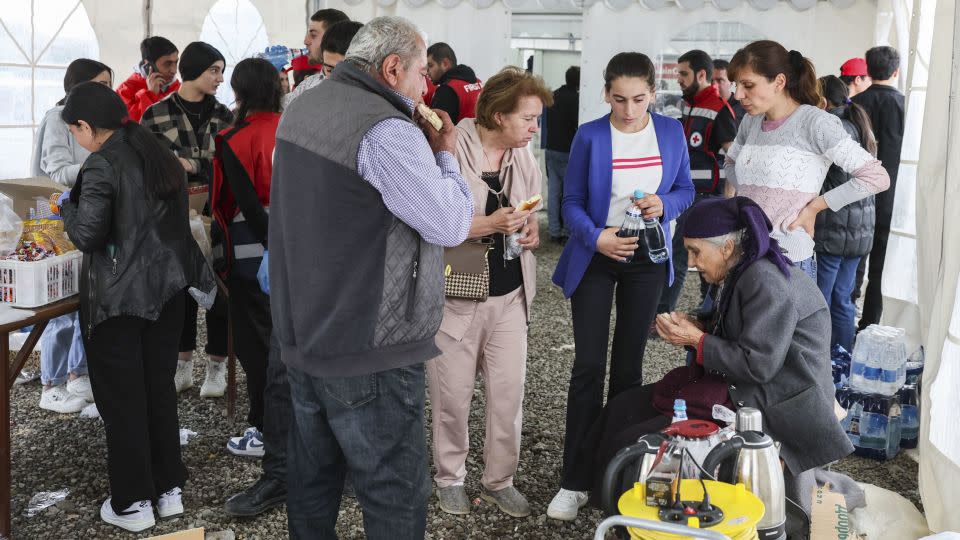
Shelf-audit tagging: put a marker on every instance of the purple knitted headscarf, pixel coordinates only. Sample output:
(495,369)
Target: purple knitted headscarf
(714,217)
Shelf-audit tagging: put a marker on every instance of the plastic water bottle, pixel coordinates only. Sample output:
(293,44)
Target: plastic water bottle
(862,352)
(278,55)
(632,226)
(679,411)
(909,416)
(653,236)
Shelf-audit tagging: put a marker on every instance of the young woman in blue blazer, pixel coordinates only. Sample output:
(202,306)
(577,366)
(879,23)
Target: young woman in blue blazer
(611,157)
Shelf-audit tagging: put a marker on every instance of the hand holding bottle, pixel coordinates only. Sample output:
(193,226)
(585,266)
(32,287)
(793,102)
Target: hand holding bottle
(616,247)
(650,204)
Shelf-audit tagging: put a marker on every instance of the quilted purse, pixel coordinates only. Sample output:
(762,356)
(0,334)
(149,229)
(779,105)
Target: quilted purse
(467,271)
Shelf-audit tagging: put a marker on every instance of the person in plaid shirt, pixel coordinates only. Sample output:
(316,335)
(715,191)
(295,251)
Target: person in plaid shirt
(188,121)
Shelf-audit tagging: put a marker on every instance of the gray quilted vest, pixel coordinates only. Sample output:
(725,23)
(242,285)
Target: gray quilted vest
(354,290)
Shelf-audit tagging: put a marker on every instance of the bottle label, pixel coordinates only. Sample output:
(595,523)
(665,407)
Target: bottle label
(910,415)
(873,430)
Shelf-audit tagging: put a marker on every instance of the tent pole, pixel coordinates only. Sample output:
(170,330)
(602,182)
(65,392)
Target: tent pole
(148,17)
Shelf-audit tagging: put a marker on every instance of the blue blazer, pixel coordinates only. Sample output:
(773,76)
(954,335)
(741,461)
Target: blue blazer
(589,181)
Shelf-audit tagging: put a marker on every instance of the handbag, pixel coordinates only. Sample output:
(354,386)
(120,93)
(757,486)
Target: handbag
(467,270)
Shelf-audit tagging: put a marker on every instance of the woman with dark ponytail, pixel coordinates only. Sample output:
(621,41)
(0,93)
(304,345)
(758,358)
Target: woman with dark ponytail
(845,236)
(128,214)
(786,144)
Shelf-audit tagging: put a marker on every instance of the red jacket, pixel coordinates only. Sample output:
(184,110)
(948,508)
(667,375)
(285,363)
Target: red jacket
(138,98)
(457,92)
(242,168)
(431,89)
(708,124)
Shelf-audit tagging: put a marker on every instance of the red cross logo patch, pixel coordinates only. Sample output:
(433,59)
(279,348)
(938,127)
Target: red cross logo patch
(696,139)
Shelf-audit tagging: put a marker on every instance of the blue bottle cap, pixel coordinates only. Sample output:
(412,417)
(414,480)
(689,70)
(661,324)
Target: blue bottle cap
(637,194)
(680,404)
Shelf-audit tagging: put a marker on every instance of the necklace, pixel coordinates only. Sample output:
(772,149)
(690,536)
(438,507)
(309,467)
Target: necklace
(180,105)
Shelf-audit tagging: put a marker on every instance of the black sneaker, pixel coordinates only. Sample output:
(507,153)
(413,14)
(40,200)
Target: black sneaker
(263,495)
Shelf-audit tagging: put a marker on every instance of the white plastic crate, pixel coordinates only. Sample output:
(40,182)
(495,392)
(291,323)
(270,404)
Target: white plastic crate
(38,283)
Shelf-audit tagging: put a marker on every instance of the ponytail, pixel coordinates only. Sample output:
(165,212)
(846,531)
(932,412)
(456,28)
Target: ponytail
(102,109)
(836,93)
(858,115)
(163,175)
(769,59)
(802,85)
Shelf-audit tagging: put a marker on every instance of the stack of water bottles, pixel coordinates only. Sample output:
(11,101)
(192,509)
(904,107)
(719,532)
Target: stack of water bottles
(882,409)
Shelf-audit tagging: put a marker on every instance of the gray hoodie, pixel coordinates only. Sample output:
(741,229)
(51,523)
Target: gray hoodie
(56,153)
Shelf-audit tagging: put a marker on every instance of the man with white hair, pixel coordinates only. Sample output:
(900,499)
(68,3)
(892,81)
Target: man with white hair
(360,212)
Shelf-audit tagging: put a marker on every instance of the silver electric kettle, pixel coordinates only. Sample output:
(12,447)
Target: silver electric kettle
(750,457)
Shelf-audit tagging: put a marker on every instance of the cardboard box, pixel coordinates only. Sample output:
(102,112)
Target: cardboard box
(192,534)
(829,517)
(25,193)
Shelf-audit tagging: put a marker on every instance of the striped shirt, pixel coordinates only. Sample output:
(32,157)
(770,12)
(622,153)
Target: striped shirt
(416,184)
(636,165)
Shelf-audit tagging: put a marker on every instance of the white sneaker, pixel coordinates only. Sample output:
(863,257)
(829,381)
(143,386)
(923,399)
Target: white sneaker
(566,504)
(59,399)
(137,517)
(215,385)
(183,378)
(248,445)
(81,387)
(170,503)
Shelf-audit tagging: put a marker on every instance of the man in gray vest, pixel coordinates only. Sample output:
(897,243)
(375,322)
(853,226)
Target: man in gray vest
(360,212)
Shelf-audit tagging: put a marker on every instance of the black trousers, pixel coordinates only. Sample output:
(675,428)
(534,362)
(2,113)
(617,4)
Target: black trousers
(873,296)
(216,327)
(277,415)
(131,363)
(636,287)
(250,311)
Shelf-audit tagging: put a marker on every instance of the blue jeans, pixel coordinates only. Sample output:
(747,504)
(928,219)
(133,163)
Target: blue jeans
(836,277)
(372,426)
(556,170)
(61,350)
(809,267)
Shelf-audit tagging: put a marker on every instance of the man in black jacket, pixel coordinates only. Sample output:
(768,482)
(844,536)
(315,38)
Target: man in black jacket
(884,104)
(562,120)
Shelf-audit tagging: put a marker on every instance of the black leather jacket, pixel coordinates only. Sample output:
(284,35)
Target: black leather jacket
(138,251)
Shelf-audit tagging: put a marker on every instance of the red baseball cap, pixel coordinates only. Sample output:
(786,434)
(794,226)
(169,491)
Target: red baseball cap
(854,67)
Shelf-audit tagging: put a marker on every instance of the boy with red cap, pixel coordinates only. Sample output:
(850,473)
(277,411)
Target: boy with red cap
(854,74)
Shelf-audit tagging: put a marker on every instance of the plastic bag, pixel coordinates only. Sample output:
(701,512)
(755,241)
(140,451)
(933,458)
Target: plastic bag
(201,234)
(44,499)
(185,435)
(11,226)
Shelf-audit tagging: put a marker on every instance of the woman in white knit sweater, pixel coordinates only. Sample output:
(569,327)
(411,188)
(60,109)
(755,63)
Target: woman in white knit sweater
(786,144)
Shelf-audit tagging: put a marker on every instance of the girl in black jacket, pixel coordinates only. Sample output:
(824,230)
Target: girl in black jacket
(843,237)
(128,213)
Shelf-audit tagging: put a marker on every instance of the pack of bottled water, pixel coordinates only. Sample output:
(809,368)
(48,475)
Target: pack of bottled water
(879,363)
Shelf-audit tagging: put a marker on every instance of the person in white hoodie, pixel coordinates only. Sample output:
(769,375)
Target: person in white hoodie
(63,364)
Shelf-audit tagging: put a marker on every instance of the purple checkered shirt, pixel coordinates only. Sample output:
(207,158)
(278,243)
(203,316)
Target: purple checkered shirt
(424,190)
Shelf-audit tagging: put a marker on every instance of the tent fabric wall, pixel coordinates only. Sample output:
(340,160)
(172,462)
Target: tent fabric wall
(120,26)
(480,37)
(938,246)
(812,32)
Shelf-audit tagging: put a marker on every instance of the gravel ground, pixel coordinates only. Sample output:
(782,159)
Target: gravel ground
(51,452)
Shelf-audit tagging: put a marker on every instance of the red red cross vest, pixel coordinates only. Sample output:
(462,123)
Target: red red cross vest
(467,94)
(706,167)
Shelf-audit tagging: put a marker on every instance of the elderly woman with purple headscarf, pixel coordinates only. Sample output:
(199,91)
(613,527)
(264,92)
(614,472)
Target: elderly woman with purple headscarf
(765,345)
(767,337)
